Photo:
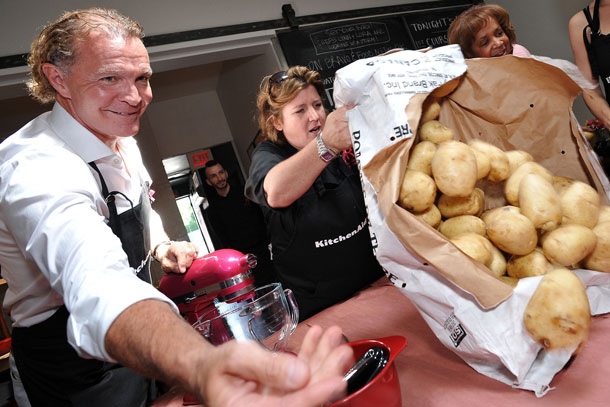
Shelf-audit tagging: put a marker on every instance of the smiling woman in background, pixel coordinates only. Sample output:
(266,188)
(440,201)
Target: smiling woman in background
(310,193)
(483,31)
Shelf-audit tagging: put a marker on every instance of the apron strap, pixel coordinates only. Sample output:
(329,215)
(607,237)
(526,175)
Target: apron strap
(593,26)
(109,199)
(131,239)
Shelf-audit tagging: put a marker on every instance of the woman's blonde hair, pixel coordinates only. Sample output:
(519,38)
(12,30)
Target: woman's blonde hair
(463,29)
(276,91)
(57,43)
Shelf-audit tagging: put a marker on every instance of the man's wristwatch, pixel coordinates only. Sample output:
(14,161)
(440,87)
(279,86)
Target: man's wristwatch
(325,153)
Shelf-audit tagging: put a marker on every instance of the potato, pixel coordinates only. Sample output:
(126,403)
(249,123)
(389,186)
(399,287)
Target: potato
(432,216)
(456,206)
(447,88)
(539,202)
(430,110)
(516,158)
(417,191)
(568,244)
(462,224)
(483,164)
(558,313)
(511,281)
(512,232)
(435,131)
(599,259)
(454,168)
(604,214)
(500,169)
(420,157)
(498,261)
(471,244)
(529,265)
(580,204)
(497,264)
(561,183)
(511,186)
(488,214)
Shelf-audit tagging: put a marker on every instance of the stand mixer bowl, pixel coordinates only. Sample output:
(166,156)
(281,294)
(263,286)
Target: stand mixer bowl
(269,318)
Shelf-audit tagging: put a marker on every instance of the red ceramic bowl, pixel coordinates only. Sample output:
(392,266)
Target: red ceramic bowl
(384,389)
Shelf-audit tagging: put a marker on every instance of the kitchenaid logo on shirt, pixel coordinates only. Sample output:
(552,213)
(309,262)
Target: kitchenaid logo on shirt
(329,242)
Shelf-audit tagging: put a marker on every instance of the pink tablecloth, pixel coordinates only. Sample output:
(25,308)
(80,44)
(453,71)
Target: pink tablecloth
(432,375)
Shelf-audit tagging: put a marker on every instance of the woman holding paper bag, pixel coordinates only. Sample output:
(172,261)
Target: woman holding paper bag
(310,193)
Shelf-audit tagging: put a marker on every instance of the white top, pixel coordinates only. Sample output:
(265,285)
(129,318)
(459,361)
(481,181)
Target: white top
(55,245)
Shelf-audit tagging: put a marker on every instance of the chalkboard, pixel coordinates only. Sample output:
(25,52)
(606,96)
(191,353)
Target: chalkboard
(430,29)
(328,47)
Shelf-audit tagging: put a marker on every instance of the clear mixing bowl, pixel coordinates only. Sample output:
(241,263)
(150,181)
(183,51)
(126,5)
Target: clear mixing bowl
(269,318)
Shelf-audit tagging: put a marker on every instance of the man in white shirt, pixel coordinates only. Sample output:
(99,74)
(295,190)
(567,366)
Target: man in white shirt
(75,233)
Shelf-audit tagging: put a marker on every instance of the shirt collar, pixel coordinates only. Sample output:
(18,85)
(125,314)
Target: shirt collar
(84,143)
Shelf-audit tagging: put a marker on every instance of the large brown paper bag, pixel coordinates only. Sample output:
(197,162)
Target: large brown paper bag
(511,102)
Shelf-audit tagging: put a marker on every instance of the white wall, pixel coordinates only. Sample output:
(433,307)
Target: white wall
(237,89)
(188,123)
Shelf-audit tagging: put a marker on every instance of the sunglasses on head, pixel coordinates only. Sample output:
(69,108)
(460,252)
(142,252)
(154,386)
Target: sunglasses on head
(280,77)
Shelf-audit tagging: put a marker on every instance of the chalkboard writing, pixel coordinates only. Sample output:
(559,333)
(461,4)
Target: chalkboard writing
(328,47)
(349,37)
(430,29)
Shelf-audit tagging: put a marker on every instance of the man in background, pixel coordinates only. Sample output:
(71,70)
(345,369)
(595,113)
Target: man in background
(238,222)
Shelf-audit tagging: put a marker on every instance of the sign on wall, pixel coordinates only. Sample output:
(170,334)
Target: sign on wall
(198,159)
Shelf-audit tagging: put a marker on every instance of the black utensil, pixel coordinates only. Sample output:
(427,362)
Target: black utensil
(366,368)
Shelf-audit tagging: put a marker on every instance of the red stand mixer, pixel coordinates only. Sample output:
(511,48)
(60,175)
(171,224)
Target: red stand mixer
(217,296)
(223,275)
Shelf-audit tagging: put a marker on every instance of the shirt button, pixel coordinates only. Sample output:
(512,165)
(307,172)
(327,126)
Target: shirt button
(116,161)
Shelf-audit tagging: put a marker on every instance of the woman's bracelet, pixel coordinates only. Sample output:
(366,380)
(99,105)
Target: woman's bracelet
(153,253)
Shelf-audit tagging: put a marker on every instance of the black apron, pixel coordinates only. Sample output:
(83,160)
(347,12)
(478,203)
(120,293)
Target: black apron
(330,256)
(598,49)
(51,371)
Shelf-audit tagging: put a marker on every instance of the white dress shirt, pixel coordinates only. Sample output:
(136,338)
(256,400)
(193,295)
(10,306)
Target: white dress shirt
(55,245)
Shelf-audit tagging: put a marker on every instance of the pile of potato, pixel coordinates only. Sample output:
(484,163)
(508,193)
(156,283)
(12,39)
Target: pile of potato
(550,223)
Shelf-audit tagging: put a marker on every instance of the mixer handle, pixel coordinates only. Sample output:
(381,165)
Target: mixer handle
(293,309)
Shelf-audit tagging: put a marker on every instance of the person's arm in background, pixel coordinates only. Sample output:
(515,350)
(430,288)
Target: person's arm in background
(290,179)
(144,336)
(592,97)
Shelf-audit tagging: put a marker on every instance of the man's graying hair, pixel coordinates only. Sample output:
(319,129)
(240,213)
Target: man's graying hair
(57,43)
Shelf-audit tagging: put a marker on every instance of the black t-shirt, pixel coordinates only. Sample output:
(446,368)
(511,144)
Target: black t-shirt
(321,243)
(237,221)
(281,221)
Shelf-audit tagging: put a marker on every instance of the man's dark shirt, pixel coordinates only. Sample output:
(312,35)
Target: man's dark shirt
(237,221)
